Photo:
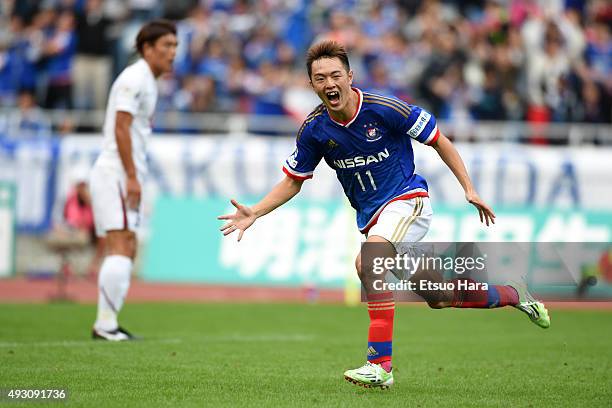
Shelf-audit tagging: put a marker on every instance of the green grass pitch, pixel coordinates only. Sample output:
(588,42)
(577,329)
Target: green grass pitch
(294,355)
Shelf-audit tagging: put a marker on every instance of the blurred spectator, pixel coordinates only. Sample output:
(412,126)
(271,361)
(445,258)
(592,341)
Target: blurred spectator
(530,60)
(177,9)
(599,52)
(393,53)
(214,63)
(78,226)
(489,103)
(28,120)
(235,81)
(78,213)
(17,62)
(545,67)
(196,95)
(299,100)
(260,48)
(378,79)
(145,10)
(59,50)
(25,10)
(442,77)
(266,88)
(594,109)
(92,60)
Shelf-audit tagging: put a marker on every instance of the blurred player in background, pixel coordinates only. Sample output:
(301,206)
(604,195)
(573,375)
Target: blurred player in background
(366,139)
(121,167)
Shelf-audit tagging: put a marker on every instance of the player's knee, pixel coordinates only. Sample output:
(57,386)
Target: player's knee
(131,245)
(114,246)
(122,243)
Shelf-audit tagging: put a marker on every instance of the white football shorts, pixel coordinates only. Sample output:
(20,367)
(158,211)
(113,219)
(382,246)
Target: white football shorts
(404,222)
(108,196)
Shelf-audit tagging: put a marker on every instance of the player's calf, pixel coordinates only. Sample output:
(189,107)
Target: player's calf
(435,298)
(468,293)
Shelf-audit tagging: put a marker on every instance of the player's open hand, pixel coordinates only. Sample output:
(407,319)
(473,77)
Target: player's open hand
(242,219)
(484,211)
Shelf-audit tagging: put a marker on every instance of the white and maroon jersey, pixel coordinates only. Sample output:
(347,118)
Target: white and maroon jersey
(135,92)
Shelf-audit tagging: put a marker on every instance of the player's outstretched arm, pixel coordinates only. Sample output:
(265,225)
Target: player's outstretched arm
(451,157)
(245,216)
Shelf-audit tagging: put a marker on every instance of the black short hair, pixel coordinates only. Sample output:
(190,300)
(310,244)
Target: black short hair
(327,49)
(152,31)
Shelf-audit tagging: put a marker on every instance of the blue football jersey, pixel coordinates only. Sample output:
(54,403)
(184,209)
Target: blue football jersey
(371,153)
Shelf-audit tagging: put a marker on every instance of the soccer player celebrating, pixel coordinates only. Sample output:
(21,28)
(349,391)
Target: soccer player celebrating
(120,169)
(366,139)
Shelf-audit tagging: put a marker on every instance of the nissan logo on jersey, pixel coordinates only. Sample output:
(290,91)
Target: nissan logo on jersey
(359,161)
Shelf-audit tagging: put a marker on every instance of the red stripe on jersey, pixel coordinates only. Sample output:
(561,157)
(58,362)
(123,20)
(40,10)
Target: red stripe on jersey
(295,176)
(435,138)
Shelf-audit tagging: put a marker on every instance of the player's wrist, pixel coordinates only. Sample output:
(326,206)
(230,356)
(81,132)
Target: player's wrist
(257,212)
(469,190)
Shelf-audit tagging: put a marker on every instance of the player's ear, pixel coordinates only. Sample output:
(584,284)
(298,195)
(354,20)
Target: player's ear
(350,77)
(146,48)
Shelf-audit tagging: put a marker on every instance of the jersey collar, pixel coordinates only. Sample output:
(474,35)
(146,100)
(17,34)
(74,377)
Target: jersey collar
(351,120)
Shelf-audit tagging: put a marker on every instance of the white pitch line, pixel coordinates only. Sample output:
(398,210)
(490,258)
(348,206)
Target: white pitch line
(78,343)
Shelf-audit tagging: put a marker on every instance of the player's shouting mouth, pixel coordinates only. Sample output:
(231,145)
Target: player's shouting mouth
(333,98)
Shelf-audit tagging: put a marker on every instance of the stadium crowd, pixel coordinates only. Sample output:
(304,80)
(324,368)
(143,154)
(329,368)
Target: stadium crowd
(540,61)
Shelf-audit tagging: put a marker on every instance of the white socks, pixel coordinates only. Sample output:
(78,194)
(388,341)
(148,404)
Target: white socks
(113,284)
